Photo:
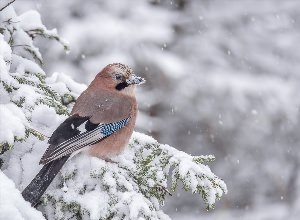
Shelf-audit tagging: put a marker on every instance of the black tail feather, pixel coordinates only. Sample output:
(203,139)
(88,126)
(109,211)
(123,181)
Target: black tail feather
(34,191)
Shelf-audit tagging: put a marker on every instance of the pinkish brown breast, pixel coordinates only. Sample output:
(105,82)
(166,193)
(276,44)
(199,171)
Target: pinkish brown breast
(115,143)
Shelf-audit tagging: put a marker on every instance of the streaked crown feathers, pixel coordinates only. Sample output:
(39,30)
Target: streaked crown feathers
(119,67)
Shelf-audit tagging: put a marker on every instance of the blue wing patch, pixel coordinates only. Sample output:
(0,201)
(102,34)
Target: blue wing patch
(108,129)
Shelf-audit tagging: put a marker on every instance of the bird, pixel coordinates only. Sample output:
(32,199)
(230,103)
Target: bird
(100,124)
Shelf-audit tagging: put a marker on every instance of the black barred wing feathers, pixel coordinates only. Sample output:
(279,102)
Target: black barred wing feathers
(80,132)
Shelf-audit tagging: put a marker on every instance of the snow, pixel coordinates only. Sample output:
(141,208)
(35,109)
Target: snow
(5,53)
(92,183)
(169,63)
(274,212)
(12,204)
(133,185)
(5,59)
(28,93)
(236,57)
(12,122)
(23,65)
(45,116)
(63,83)
(31,20)
(8,12)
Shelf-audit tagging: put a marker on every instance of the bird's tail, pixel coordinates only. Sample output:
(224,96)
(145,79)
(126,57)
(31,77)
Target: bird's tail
(34,191)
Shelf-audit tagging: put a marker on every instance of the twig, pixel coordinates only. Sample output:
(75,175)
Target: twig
(20,45)
(8,4)
(39,132)
(164,189)
(9,21)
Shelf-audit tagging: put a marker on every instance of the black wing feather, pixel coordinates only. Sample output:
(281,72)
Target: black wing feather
(65,131)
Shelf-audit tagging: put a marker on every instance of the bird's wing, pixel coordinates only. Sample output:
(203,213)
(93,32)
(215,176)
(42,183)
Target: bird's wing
(76,133)
(95,115)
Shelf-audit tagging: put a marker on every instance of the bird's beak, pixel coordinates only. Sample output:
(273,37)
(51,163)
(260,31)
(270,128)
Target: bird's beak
(135,80)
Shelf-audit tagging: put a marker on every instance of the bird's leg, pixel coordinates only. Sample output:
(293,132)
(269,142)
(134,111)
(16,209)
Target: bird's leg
(110,161)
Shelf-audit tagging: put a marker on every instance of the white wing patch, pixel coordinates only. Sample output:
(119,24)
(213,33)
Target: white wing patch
(81,128)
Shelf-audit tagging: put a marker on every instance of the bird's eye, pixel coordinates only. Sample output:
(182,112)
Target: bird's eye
(118,77)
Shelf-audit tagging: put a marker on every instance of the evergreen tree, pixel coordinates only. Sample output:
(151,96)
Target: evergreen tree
(32,106)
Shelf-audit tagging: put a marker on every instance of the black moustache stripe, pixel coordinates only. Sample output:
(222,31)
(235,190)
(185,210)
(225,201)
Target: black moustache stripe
(122,85)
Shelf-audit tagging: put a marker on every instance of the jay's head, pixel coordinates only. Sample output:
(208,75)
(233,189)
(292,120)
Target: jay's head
(119,77)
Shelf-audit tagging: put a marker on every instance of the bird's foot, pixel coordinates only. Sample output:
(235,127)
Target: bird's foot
(110,161)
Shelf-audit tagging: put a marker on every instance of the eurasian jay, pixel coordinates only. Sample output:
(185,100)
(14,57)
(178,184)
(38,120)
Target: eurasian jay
(101,123)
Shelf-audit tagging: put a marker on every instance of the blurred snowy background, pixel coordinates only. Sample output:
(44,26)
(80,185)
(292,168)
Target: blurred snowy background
(222,78)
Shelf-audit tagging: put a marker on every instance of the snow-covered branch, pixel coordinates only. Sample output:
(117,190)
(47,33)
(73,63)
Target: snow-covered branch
(132,186)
